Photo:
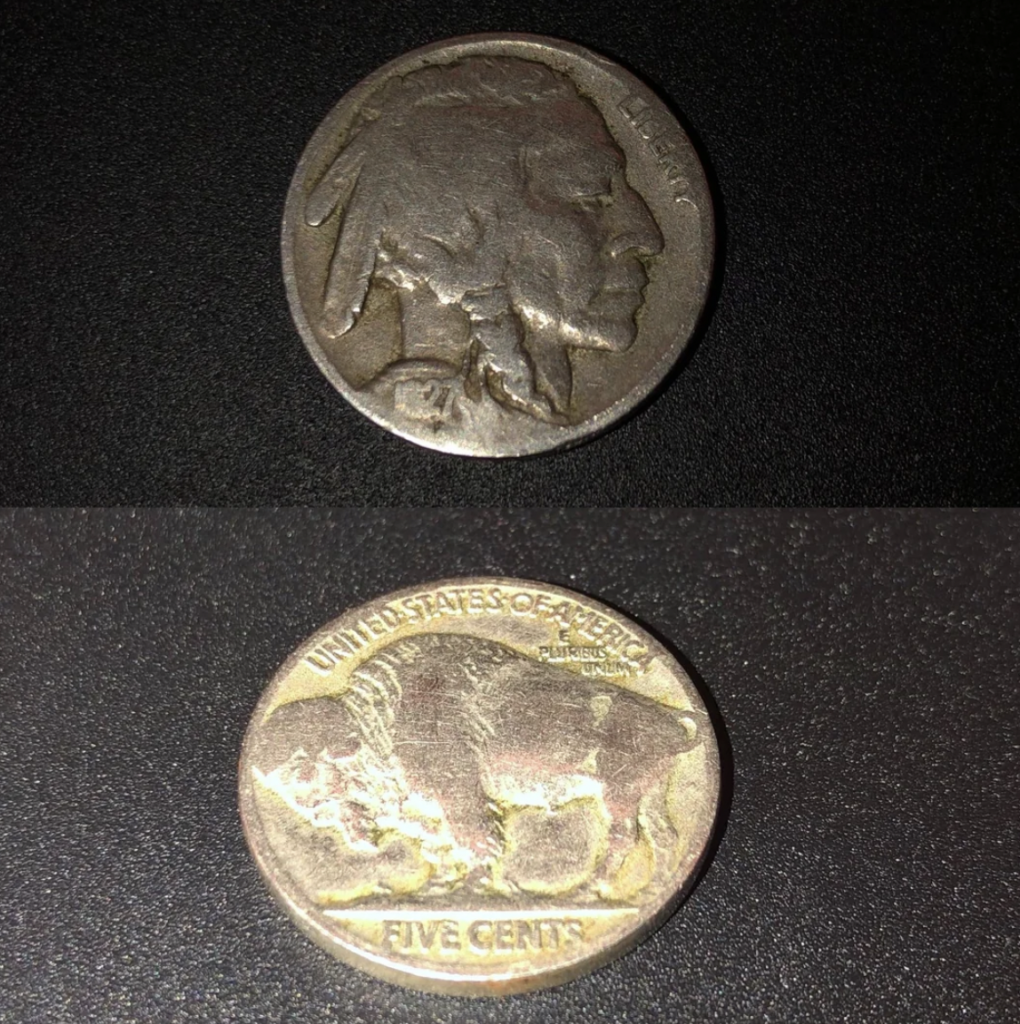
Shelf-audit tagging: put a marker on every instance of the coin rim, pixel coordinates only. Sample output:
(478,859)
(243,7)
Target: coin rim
(568,436)
(272,867)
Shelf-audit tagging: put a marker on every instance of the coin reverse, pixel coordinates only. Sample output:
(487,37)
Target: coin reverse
(479,786)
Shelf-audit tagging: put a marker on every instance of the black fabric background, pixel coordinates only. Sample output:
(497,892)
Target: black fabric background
(861,348)
(865,666)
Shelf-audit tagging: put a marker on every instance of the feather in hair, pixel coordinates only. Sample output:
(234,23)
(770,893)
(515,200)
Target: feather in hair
(335,187)
(353,264)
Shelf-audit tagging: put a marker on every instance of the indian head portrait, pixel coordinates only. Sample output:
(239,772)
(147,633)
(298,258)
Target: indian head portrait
(485,233)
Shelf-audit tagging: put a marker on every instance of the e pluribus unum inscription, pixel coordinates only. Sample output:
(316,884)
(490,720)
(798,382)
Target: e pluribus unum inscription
(592,660)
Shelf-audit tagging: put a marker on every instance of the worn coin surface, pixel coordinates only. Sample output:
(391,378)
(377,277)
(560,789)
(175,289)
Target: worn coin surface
(498,245)
(479,786)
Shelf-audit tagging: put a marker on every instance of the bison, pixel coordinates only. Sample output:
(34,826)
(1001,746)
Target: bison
(447,737)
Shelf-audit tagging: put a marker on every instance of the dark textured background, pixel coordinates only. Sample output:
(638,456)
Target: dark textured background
(862,348)
(866,667)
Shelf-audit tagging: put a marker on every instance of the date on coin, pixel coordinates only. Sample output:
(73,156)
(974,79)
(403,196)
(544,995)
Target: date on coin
(498,245)
(479,786)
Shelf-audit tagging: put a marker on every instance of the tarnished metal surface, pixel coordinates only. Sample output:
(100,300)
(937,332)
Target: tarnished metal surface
(479,786)
(497,245)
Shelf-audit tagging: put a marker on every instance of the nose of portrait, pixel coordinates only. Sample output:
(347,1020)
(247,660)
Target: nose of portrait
(634,227)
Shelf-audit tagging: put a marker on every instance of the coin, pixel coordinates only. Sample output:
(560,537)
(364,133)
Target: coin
(479,786)
(498,245)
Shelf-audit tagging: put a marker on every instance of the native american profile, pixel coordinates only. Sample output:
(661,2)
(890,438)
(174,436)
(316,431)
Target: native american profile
(487,201)
(455,765)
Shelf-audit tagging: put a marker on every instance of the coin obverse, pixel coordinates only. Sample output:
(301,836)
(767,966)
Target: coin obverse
(479,786)
(498,245)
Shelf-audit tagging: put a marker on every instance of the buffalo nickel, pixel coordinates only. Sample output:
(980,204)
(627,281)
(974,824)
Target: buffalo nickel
(479,786)
(498,245)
